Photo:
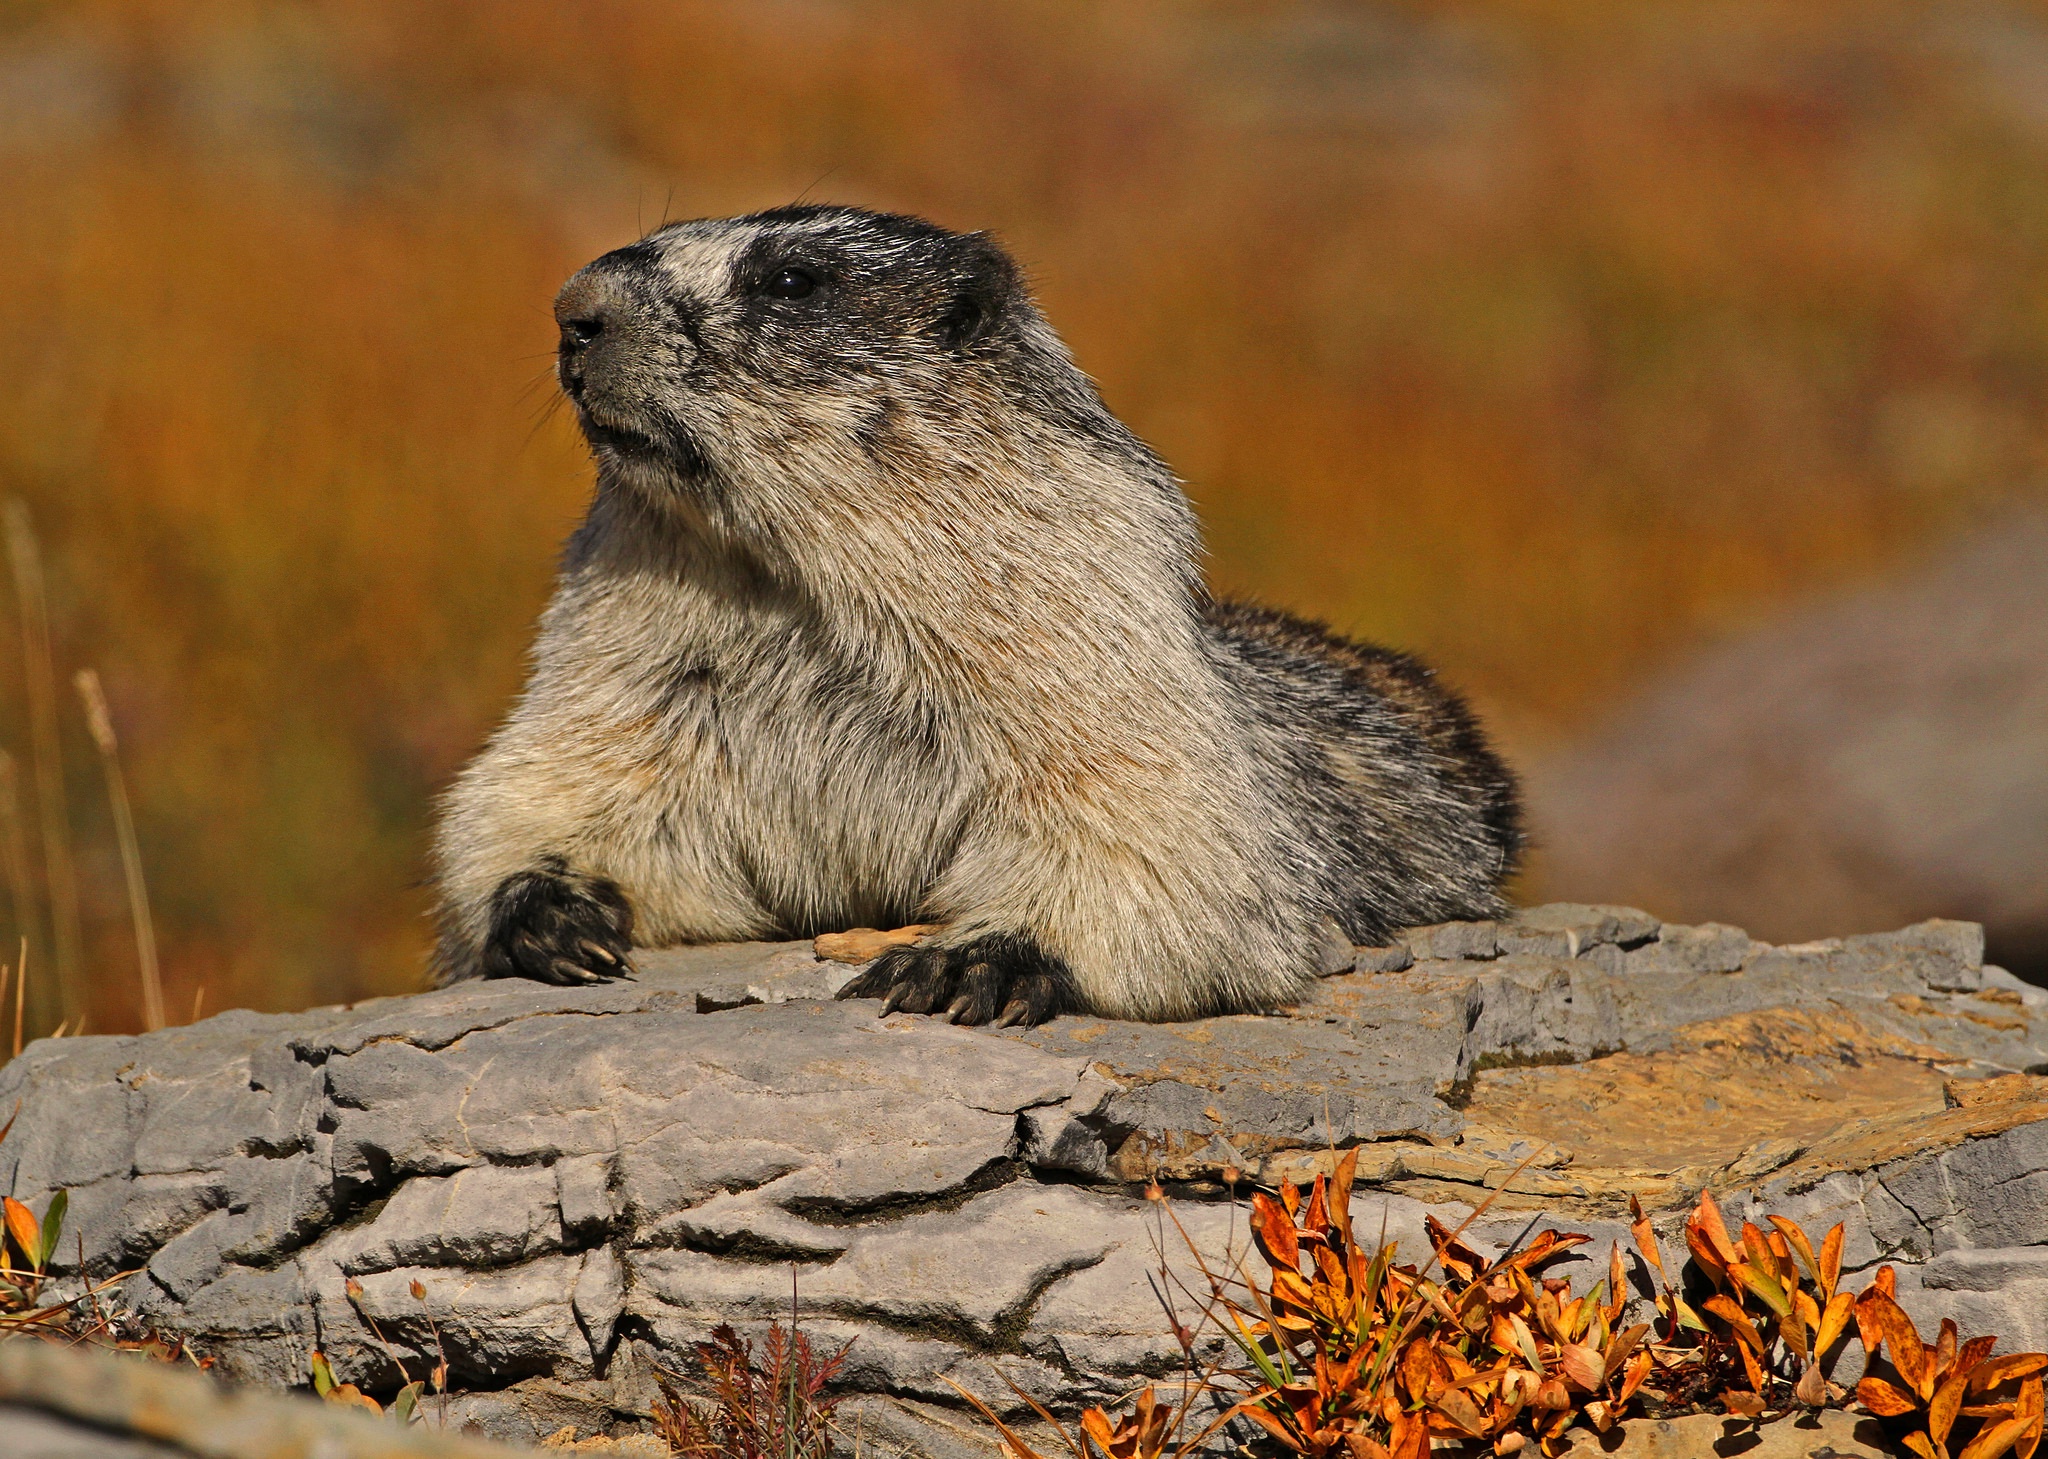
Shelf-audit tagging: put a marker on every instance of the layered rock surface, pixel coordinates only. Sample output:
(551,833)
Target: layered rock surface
(584,1181)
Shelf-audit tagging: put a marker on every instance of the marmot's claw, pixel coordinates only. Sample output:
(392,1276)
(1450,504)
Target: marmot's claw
(967,984)
(556,926)
(568,974)
(611,964)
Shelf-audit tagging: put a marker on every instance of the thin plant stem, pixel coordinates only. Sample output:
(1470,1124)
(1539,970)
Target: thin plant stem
(14,845)
(60,877)
(21,987)
(102,726)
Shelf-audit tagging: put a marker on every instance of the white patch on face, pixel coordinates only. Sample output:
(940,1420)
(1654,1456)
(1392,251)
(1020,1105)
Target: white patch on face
(698,262)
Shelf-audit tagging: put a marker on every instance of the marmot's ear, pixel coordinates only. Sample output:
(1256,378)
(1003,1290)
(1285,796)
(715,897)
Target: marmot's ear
(981,282)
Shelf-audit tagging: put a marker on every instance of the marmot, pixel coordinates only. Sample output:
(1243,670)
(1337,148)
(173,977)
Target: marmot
(879,616)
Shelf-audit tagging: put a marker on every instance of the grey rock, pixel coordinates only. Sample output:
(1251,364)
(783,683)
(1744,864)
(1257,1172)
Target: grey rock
(1572,929)
(1382,959)
(1967,1270)
(583,1195)
(1529,1009)
(1452,941)
(584,1182)
(1712,947)
(489,1216)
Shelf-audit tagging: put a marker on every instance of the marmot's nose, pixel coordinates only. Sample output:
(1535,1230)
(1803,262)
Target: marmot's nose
(588,309)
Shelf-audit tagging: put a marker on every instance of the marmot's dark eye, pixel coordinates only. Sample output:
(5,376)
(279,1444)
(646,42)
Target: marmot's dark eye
(789,283)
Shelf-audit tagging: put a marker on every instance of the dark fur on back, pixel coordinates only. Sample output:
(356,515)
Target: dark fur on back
(1420,820)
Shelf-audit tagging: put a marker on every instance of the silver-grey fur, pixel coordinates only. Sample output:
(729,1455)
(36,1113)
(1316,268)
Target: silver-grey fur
(879,616)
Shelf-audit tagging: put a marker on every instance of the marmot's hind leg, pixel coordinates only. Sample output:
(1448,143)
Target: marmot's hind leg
(1004,976)
(558,927)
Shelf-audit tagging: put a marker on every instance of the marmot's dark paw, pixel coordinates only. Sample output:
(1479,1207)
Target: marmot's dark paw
(558,927)
(1006,977)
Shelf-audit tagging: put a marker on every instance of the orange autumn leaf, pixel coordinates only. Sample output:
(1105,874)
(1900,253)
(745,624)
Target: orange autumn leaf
(1996,1439)
(1994,1371)
(1946,1403)
(1340,1190)
(1884,1400)
(1639,1368)
(1273,1227)
(1462,1412)
(1801,1247)
(1316,1219)
(1645,1236)
(1945,1340)
(1973,1354)
(1724,1308)
(1882,1318)
(1748,1405)
(2029,1409)
(22,1226)
(1706,1217)
(1582,1366)
(1831,1259)
(1833,1322)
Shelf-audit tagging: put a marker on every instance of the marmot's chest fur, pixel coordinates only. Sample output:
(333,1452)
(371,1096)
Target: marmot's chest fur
(879,615)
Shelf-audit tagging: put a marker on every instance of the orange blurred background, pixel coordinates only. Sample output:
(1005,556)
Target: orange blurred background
(1551,340)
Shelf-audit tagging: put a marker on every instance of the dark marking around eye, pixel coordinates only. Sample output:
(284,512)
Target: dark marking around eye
(790,283)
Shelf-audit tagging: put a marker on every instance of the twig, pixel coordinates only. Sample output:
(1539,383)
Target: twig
(102,726)
(21,968)
(60,876)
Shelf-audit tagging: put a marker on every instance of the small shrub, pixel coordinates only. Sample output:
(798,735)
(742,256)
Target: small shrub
(776,1408)
(1350,1354)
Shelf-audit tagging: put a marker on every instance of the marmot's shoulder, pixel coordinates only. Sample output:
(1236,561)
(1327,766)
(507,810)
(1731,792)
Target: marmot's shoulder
(1312,653)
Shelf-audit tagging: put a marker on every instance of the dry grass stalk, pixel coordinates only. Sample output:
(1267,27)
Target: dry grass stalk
(20,994)
(101,724)
(60,876)
(14,846)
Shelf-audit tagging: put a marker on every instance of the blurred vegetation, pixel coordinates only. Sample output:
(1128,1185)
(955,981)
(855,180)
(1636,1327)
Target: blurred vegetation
(1547,339)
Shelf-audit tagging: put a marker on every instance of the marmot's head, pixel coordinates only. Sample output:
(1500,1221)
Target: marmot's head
(740,362)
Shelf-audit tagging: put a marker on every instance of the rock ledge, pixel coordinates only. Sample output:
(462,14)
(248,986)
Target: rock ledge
(586,1180)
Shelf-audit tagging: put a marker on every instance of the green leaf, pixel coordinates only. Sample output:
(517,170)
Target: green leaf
(323,1375)
(1764,1285)
(53,1227)
(1252,1350)
(408,1399)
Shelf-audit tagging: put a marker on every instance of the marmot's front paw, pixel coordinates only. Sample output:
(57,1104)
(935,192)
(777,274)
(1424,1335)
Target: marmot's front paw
(968,984)
(558,927)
